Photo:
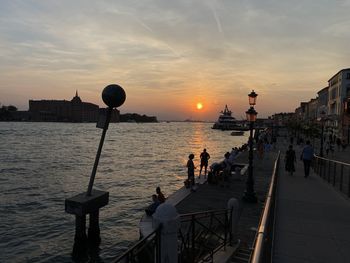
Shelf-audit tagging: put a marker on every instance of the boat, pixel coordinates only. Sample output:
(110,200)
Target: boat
(227,122)
(237,133)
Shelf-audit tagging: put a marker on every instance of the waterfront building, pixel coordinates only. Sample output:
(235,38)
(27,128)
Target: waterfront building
(74,110)
(282,119)
(338,90)
(346,119)
(312,110)
(301,112)
(322,101)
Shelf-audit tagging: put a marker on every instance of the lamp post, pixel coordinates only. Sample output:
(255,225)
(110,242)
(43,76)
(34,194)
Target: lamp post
(249,194)
(90,202)
(323,114)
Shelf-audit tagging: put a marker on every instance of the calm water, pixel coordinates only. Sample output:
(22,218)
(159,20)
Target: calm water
(41,164)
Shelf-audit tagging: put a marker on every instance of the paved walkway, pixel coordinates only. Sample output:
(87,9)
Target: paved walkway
(312,219)
(213,197)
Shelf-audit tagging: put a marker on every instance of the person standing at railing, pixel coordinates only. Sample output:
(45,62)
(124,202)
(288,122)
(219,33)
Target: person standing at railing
(190,171)
(205,156)
(306,156)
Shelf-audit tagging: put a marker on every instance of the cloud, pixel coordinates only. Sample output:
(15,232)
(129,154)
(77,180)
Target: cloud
(179,49)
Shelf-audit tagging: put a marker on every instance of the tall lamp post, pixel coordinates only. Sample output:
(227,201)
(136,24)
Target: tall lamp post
(249,194)
(323,115)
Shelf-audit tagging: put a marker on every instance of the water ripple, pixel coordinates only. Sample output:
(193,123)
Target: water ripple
(42,164)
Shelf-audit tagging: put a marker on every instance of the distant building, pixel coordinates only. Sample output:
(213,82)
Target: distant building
(322,101)
(281,119)
(338,93)
(312,109)
(66,111)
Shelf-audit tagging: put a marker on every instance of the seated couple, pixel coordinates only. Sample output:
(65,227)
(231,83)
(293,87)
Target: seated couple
(156,201)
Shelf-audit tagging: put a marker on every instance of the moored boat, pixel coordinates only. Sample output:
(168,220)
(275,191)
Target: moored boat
(227,122)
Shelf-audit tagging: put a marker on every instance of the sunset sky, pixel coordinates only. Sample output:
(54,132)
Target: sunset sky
(169,55)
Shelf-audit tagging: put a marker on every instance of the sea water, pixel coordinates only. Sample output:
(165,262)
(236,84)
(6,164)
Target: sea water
(42,164)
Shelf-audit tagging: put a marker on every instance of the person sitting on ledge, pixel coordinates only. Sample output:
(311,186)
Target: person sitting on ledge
(152,207)
(160,196)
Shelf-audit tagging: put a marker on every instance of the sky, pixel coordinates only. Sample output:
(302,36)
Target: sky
(169,55)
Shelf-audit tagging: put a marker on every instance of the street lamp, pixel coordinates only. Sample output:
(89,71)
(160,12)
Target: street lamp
(323,115)
(249,194)
(252,98)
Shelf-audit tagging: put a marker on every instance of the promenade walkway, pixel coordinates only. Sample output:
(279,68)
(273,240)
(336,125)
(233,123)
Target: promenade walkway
(213,197)
(312,218)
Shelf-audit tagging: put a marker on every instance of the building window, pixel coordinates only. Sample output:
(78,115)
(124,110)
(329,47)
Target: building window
(348,75)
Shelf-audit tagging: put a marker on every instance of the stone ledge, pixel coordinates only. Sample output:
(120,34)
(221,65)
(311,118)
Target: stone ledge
(81,204)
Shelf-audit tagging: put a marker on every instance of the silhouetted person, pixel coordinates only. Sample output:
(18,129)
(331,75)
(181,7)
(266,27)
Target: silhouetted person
(160,195)
(290,159)
(204,162)
(152,207)
(307,155)
(190,170)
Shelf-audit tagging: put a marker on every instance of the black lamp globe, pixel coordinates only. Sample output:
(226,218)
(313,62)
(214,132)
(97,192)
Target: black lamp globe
(113,95)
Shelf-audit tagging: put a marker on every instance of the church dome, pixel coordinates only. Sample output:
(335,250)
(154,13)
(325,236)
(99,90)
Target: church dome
(76,98)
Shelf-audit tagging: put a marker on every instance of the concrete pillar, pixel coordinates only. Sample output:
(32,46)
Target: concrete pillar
(81,205)
(80,238)
(167,216)
(94,229)
(233,204)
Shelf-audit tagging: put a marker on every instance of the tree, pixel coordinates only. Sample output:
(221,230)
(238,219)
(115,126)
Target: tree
(12,108)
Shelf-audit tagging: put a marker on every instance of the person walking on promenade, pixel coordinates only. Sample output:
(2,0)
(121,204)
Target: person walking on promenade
(160,195)
(290,159)
(190,171)
(205,156)
(307,155)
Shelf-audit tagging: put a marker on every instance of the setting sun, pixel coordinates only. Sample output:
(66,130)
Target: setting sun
(199,106)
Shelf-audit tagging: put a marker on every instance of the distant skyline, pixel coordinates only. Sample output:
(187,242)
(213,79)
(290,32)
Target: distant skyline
(171,55)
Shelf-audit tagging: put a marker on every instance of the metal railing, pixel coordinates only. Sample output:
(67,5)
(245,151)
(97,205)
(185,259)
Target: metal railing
(145,250)
(202,234)
(263,243)
(334,172)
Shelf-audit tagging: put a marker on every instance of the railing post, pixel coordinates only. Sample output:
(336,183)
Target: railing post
(329,171)
(158,245)
(334,172)
(226,227)
(233,205)
(324,163)
(193,240)
(167,218)
(349,184)
(341,177)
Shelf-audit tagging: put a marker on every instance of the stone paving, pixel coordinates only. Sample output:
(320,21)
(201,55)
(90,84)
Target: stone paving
(312,218)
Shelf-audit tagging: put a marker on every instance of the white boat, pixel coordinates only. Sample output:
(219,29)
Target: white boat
(227,122)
